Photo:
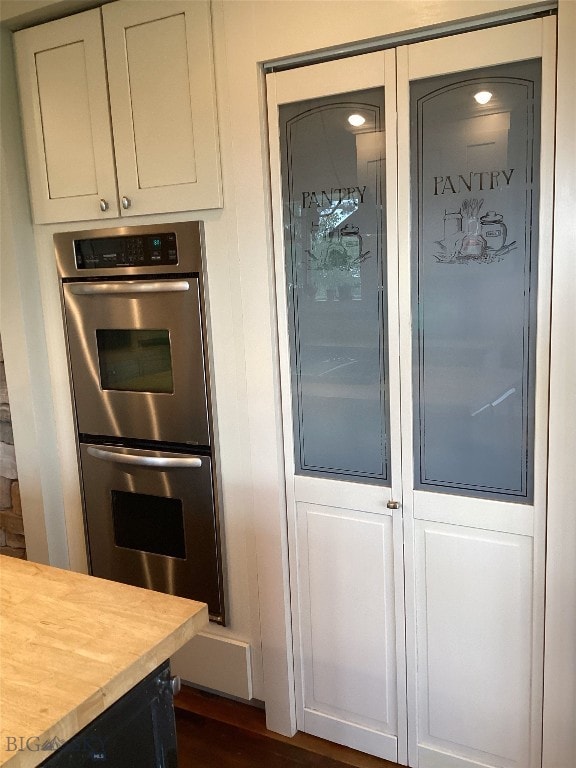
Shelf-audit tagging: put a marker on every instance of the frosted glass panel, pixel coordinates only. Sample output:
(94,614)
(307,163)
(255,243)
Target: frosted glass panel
(475,203)
(333,176)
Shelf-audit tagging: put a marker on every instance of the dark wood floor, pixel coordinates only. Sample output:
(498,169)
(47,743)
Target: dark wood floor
(217,732)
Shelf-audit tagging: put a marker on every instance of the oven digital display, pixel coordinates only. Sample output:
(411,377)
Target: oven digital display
(128,251)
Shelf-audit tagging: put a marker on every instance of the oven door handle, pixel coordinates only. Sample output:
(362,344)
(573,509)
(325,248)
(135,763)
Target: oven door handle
(159,462)
(142,286)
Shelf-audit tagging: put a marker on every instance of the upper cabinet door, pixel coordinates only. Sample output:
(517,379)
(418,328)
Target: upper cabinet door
(163,103)
(62,79)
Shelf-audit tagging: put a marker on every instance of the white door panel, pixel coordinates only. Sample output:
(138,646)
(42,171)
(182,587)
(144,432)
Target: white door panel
(474,620)
(348,631)
(481,48)
(474,513)
(330,77)
(341,494)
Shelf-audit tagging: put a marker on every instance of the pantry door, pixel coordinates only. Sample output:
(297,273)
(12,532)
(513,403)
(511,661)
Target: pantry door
(475,126)
(333,166)
(413,282)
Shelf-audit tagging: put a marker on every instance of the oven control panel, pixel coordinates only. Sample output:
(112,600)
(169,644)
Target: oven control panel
(148,250)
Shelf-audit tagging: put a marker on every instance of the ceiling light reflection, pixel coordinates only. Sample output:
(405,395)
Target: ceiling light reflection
(356,120)
(483,97)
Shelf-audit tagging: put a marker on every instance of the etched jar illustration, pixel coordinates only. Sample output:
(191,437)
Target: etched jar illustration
(473,244)
(352,242)
(493,230)
(452,223)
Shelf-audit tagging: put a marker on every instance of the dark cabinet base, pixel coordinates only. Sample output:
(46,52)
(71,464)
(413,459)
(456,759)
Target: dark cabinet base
(138,730)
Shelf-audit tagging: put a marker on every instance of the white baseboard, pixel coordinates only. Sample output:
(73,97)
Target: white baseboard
(218,663)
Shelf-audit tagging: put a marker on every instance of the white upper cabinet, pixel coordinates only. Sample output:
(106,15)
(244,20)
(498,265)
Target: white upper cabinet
(62,81)
(154,62)
(163,103)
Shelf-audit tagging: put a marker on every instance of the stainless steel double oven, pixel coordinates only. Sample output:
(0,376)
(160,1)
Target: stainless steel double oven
(135,319)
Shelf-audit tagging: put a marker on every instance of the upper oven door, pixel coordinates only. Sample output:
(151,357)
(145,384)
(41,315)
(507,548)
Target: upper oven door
(137,359)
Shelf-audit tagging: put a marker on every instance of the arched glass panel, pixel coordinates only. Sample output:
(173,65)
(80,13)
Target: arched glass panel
(333,183)
(475,162)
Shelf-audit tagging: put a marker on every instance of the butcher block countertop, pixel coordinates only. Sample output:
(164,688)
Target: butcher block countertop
(71,645)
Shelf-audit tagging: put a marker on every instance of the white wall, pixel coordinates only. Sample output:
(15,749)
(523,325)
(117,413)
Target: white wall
(247,33)
(22,330)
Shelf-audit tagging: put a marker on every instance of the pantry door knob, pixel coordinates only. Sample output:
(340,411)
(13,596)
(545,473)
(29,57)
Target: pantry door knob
(393,504)
(103,205)
(126,203)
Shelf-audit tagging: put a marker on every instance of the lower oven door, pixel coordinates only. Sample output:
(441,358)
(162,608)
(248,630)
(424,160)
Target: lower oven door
(152,522)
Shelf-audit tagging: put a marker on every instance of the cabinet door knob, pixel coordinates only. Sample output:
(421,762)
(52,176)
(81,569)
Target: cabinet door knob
(103,205)
(175,685)
(126,203)
(393,504)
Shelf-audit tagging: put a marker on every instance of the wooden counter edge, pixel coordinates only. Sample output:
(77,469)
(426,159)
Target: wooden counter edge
(113,689)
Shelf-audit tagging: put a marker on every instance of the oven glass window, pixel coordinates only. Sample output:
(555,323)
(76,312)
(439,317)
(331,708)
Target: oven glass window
(148,523)
(135,360)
